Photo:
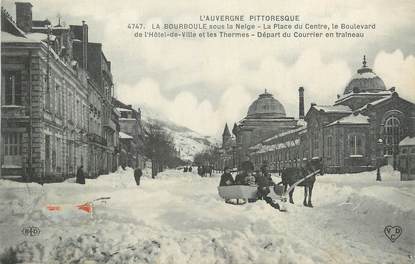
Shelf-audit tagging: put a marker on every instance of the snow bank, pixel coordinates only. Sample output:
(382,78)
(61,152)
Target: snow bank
(179,218)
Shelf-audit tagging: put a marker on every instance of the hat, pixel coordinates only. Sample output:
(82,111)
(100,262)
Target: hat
(226,168)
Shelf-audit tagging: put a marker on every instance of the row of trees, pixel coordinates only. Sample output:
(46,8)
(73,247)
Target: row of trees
(159,148)
(207,157)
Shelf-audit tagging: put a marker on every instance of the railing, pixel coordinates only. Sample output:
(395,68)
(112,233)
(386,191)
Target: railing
(13,111)
(110,124)
(97,139)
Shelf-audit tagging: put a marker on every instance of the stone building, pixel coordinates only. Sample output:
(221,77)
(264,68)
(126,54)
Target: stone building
(227,150)
(44,119)
(363,126)
(102,127)
(266,116)
(56,92)
(131,135)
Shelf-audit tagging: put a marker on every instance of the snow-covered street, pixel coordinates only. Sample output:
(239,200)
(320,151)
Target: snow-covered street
(179,218)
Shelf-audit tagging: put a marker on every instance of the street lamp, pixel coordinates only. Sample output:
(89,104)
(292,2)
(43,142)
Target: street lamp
(379,158)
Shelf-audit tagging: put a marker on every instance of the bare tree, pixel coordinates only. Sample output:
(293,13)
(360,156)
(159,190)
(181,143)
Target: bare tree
(159,148)
(208,156)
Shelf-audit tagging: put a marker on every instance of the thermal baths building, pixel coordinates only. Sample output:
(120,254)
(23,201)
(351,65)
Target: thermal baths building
(360,129)
(266,116)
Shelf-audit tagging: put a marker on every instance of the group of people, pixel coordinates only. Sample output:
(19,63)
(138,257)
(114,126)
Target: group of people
(247,176)
(187,169)
(204,170)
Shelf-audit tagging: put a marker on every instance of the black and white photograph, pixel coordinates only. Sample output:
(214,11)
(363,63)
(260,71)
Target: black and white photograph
(207,132)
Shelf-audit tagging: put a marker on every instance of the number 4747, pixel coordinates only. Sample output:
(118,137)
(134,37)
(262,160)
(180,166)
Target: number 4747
(135,26)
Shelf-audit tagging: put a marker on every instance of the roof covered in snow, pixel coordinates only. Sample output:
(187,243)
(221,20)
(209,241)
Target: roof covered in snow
(365,80)
(121,109)
(383,99)
(10,38)
(352,119)
(40,36)
(267,148)
(333,108)
(352,95)
(123,135)
(408,141)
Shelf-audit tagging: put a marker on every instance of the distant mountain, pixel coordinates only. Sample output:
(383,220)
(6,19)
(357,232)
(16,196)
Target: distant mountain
(187,141)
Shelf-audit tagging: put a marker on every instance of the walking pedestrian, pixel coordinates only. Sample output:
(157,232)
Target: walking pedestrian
(137,175)
(80,177)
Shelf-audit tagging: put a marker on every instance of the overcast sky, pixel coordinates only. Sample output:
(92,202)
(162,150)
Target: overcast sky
(202,84)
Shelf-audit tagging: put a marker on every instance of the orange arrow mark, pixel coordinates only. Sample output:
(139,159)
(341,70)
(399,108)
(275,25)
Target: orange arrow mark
(85,207)
(53,207)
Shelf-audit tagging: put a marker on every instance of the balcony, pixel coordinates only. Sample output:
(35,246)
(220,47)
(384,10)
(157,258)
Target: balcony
(108,123)
(94,138)
(13,111)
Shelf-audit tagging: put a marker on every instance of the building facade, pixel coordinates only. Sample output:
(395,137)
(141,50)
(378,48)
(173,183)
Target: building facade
(266,116)
(44,124)
(56,96)
(131,135)
(360,131)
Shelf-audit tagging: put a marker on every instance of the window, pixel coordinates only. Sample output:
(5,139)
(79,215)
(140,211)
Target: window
(83,116)
(70,107)
(58,96)
(392,132)
(315,145)
(355,145)
(13,88)
(78,113)
(58,155)
(12,143)
(124,114)
(47,153)
(329,146)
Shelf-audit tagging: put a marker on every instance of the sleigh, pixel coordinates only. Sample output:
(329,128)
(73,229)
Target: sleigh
(245,192)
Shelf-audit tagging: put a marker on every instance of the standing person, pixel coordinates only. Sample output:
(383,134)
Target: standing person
(264,168)
(137,175)
(185,169)
(247,165)
(226,178)
(240,178)
(190,168)
(80,177)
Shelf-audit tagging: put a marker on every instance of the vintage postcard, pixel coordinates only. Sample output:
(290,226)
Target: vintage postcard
(226,132)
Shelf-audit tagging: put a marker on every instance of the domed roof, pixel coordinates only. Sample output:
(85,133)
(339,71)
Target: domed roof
(365,81)
(266,106)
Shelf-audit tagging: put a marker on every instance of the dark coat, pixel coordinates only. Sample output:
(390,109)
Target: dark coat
(264,182)
(226,179)
(80,177)
(138,172)
(137,175)
(247,166)
(264,170)
(240,179)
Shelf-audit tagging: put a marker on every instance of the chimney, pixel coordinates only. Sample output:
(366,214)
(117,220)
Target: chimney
(85,45)
(24,16)
(301,103)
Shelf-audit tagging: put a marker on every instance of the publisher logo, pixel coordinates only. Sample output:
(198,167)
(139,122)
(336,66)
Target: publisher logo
(31,231)
(393,232)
